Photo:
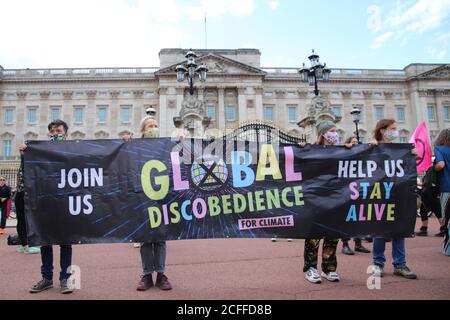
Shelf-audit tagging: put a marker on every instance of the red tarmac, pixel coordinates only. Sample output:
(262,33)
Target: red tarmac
(230,269)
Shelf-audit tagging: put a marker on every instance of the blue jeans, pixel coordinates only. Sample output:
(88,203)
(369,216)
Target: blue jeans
(398,252)
(153,257)
(65,261)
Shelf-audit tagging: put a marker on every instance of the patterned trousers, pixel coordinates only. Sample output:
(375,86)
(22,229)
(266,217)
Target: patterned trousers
(329,262)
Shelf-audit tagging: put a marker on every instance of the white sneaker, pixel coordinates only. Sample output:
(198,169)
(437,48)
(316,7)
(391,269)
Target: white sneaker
(331,276)
(312,275)
(289,240)
(136,245)
(377,271)
(273,239)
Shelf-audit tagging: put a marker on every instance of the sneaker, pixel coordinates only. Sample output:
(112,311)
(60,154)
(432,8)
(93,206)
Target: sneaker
(347,250)
(312,275)
(162,282)
(21,249)
(360,248)
(32,250)
(136,245)
(64,288)
(145,283)
(42,285)
(422,232)
(405,272)
(273,239)
(331,276)
(440,234)
(377,271)
(289,240)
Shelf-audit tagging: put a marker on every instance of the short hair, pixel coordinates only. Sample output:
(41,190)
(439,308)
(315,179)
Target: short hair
(57,123)
(382,125)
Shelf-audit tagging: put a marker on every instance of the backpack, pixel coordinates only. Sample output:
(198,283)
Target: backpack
(430,191)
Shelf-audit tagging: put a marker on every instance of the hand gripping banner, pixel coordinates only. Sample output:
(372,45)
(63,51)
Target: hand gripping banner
(146,190)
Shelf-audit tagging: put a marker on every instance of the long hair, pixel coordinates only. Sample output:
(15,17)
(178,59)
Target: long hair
(381,125)
(443,138)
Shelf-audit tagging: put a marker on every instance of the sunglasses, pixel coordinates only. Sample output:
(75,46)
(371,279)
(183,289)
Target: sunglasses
(2,180)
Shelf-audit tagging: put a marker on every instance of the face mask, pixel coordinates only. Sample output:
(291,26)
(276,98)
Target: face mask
(391,135)
(332,137)
(151,133)
(58,137)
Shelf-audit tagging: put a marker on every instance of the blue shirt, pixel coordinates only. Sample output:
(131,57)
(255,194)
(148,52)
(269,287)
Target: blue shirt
(442,153)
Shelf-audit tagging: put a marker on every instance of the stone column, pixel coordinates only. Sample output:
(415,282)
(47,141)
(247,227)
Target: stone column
(163,110)
(44,114)
(138,109)
(20,123)
(259,103)
(439,102)
(242,104)
(90,121)
(221,107)
(114,114)
(279,112)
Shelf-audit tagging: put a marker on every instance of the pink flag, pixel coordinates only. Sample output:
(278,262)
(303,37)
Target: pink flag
(422,141)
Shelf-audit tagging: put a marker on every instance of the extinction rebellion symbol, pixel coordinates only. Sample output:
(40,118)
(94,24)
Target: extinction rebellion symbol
(209,173)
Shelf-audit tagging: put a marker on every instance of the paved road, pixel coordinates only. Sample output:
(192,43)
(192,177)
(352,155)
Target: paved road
(231,269)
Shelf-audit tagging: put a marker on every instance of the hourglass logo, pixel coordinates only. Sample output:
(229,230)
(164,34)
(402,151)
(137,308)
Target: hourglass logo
(209,173)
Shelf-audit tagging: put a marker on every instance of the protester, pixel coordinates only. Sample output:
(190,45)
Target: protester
(359,247)
(19,201)
(327,136)
(386,132)
(442,153)
(5,195)
(57,131)
(153,254)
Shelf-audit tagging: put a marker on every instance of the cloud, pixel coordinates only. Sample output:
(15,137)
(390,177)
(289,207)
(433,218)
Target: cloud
(438,54)
(217,8)
(380,40)
(274,4)
(406,20)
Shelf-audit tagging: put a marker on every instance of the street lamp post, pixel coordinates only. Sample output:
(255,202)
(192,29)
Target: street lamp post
(190,70)
(317,71)
(356,114)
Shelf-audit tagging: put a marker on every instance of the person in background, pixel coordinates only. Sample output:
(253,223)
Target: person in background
(19,201)
(5,195)
(386,132)
(57,131)
(327,136)
(359,247)
(442,153)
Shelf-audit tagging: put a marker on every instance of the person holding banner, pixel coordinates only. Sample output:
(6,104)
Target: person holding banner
(327,136)
(153,254)
(386,132)
(57,131)
(442,153)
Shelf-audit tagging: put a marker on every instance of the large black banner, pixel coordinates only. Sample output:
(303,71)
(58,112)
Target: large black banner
(107,191)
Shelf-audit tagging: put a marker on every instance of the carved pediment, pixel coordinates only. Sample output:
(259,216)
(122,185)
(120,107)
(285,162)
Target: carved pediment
(78,135)
(101,134)
(217,64)
(30,135)
(442,72)
(7,135)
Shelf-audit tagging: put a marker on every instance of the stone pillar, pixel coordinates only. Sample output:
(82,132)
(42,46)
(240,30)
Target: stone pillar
(163,110)
(114,114)
(138,109)
(180,97)
(369,109)
(221,108)
(44,114)
(90,114)
(20,123)
(439,102)
(419,104)
(242,104)
(259,103)
(279,112)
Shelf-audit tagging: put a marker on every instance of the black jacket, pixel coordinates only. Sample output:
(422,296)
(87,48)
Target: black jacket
(5,192)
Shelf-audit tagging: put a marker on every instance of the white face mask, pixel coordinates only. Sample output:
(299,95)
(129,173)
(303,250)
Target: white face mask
(391,135)
(331,137)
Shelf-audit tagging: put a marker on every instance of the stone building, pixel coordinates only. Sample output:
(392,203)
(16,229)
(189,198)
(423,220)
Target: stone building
(105,103)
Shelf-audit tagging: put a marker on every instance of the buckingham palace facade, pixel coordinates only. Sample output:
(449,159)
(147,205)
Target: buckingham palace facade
(105,103)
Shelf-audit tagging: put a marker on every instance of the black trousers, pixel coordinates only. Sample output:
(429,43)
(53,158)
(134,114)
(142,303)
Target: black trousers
(21,222)
(3,217)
